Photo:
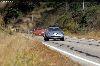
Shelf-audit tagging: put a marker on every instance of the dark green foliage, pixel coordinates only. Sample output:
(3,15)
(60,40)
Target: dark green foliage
(19,7)
(67,14)
(73,18)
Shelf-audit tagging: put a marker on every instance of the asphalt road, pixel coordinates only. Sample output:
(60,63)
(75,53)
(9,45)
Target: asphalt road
(84,51)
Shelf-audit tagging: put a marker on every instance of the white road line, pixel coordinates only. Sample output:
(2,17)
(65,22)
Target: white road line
(97,64)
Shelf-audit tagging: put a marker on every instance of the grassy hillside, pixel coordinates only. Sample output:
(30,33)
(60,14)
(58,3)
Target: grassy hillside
(87,35)
(69,16)
(18,51)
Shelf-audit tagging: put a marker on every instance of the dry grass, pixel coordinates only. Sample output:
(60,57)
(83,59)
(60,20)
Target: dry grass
(89,35)
(18,51)
(94,35)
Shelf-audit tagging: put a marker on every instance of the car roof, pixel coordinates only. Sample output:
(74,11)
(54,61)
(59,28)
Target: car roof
(53,27)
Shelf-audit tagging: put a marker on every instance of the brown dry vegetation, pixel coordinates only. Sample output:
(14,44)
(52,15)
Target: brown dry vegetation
(16,50)
(89,35)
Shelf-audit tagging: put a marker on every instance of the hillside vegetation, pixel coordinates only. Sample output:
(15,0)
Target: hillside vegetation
(16,50)
(74,19)
(69,15)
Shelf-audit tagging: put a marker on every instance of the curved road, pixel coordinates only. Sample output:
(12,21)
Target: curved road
(86,52)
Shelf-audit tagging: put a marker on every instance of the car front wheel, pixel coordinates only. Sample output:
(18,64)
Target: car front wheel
(46,39)
(62,39)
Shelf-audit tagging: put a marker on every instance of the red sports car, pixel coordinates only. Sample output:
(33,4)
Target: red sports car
(39,32)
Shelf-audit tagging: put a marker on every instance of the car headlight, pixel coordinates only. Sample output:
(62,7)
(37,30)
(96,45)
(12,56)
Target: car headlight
(48,33)
(62,33)
(42,32)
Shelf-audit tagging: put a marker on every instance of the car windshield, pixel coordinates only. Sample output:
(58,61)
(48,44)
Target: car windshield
(54,29)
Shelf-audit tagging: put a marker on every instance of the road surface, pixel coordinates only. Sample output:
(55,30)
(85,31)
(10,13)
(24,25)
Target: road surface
(84,51)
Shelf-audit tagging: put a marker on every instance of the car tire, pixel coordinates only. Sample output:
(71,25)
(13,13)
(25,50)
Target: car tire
(46,39)
(62,39)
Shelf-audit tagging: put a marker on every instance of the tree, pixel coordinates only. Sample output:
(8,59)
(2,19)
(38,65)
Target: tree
(17,7)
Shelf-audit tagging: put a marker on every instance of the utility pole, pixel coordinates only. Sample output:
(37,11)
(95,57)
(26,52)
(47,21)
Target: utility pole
(83,5)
